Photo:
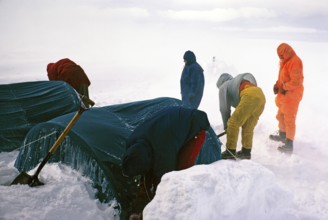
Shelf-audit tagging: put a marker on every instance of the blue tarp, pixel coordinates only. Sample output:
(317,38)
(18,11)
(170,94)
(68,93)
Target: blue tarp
(96,144)
(23,105)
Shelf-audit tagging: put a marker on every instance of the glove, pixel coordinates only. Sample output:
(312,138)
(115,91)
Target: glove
(275,89)
(282,91)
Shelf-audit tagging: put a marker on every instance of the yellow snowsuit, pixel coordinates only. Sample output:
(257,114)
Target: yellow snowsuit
(246,115)
(248,100)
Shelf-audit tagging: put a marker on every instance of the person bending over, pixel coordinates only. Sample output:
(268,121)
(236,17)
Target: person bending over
(170,140)
(247,98)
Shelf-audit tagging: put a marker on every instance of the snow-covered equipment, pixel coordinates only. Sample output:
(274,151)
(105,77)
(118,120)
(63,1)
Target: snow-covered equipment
(96,144)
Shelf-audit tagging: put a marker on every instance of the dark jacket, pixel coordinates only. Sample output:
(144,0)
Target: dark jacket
(192,81)
(154,144)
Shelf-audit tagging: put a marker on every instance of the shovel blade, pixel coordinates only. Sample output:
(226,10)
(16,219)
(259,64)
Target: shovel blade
(24,178)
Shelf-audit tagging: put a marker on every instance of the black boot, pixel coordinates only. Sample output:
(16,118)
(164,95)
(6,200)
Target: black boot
(287,148)
(244,154)
(228,154)
(278,137)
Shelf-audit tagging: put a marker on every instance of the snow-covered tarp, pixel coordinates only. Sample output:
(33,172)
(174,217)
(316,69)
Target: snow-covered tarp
(23,105)
(96,144)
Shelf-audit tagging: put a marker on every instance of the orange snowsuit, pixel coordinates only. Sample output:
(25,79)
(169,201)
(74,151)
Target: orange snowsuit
(289,89)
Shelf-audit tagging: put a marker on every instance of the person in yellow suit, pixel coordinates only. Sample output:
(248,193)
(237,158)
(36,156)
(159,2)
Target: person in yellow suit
(289,90)
(247,98)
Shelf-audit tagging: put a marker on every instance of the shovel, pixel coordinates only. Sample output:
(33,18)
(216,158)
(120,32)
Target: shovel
(23,177)
(221,134)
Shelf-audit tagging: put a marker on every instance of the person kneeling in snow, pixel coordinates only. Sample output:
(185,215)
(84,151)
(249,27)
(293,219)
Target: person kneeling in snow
(248,100)
(170,140)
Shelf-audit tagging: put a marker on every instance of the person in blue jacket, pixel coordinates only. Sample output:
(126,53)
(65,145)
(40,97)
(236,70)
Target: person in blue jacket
(161,144)
(192,81)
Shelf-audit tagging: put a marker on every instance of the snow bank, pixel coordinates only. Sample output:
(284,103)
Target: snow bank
(222,190)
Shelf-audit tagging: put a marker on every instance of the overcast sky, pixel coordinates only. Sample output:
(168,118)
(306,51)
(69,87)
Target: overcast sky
(143,31)
(270,15)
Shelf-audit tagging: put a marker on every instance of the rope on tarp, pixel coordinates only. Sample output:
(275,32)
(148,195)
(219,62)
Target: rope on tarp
(41,138)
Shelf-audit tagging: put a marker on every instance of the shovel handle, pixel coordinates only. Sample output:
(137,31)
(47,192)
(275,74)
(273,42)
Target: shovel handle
(221,134)
(86,101)
(58,141)
(54,147)
(66,130)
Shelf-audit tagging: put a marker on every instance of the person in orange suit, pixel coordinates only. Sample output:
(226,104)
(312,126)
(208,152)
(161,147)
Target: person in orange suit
(68,71)
(289,92)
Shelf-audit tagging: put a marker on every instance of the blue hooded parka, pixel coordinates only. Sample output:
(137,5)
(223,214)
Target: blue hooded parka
(192,81)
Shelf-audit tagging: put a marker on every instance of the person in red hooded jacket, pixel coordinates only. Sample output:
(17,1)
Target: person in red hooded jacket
(289,90)
(68,71)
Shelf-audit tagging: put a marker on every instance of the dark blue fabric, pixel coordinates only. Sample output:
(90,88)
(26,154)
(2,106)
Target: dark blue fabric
(96,144)
(23,105)
(165,133)
(192,84)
